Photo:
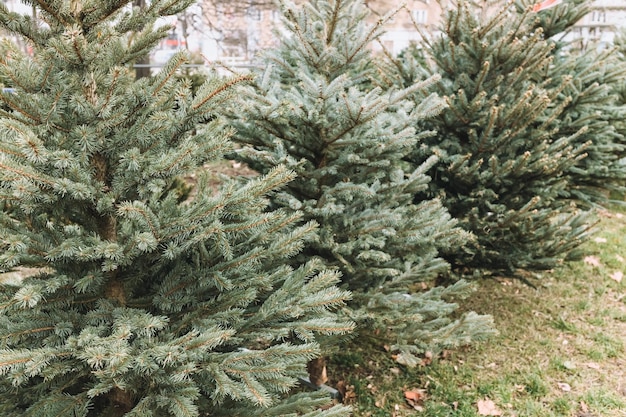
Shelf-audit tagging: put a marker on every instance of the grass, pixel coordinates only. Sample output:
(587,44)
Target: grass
(560,351)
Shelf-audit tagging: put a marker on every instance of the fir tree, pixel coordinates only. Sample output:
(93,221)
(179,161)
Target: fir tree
(591,104)
(620,87)
(516,132)
(141,303)
(310,111)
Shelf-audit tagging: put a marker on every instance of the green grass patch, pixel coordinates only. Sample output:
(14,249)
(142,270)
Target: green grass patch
(560,351)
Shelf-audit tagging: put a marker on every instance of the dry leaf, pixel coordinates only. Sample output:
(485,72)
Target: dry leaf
(487,407)
(604,213)
(564,386)
(415,395)
(428,358)
(592,365)
(415,398)
(600,239)
(317,371)
(617,276)
(584,408)
(619,258)
(347,392)
(592,260)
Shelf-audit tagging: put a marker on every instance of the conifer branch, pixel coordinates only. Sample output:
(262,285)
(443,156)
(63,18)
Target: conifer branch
(45,7)
(111,90)
(29,331)
(44,81)
(373,33)
(13,105)
(224,87)
(79,54)
(25,174)
(171,71)
(104,15)
(332,23)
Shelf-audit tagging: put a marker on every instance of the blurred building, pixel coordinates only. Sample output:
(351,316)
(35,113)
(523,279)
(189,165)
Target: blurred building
(239,35)
(599,27)
(235,31)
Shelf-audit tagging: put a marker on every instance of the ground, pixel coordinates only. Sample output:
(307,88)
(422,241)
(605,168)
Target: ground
(560,351)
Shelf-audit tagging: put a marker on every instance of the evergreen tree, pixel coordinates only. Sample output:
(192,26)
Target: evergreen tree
(591,104)
(142,303)
(310,111)
(514,138)
(620,88)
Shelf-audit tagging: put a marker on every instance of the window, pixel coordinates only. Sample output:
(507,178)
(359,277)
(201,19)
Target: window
(420,16)
(254,13)
(598,16)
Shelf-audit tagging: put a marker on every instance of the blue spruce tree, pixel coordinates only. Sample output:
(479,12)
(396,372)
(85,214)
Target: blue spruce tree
(524,152)
(133,300)
(310,110)
(591,103)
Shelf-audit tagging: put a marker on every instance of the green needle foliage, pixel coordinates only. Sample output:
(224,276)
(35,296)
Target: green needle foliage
(525,143)
(591,104)
(141,303)
(620,87)
(309,110)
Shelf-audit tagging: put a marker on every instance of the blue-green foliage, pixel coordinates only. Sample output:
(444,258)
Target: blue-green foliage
(134,302)
(310,109)
(620,88)
(523,149)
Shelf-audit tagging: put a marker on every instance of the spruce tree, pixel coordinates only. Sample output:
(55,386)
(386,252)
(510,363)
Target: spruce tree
(139,302)
(513,139)
(620,87)
(310,110)
(590,103)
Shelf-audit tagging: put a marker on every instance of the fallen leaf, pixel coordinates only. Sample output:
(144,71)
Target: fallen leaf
(317,371)
(415,395)
(584,407)
(564,386)
(592,260)
(617,276)
(487,407)
(592,365)
(619,258)
(347,392)
(415,398)
(600,239)
(428,358)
